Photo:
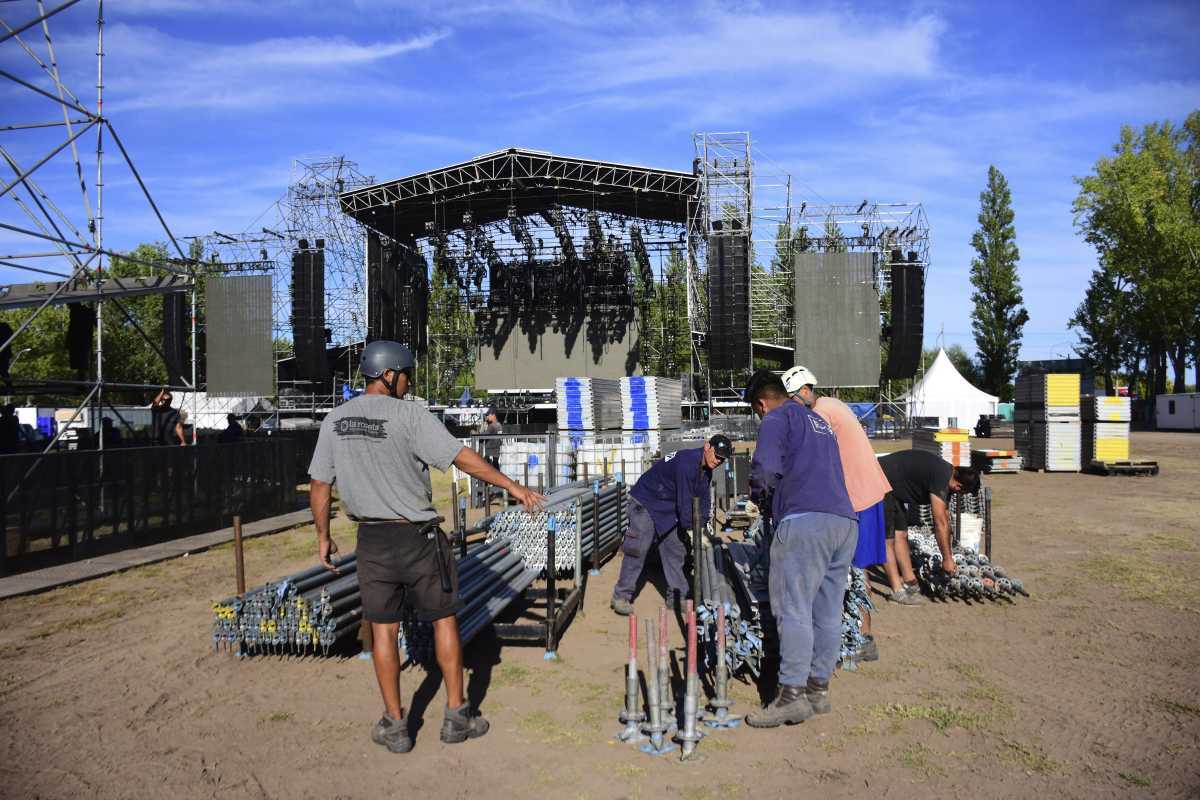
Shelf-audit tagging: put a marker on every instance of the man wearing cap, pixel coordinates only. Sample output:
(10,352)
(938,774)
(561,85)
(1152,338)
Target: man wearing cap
(796,474)
(660,514)
(379,448)
(866,485)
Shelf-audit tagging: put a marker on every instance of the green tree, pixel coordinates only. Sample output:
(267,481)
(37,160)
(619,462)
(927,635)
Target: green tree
(999,315)
(1140,209)
(450,362)
(666,336)
(1099,319)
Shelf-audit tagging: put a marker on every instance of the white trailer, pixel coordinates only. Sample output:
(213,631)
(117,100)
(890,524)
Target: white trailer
(1178,412)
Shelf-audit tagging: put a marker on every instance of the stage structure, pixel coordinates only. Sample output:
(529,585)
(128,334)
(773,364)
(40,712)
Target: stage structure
(66,140)
(567,266)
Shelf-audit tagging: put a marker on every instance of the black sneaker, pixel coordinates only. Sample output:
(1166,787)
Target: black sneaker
(460,724)
(392,734)
(789,707)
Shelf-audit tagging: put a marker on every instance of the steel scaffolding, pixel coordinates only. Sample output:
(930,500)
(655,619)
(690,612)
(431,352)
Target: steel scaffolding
(78,258)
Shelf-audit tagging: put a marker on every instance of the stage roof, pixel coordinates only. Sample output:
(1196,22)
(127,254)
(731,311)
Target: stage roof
(530,180)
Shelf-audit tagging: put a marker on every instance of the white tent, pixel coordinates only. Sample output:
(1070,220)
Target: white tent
(944,393)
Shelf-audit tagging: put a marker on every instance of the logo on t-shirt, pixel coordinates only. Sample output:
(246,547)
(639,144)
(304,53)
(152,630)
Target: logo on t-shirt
(360,427)
(820,425)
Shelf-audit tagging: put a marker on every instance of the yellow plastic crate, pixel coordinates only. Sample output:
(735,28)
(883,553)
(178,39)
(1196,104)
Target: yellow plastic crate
(1062,389)
(1111,450)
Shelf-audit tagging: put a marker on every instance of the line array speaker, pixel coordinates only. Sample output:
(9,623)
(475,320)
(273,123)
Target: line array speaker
(397,294)
(729,302)
(908,317)
(174,337)
(308,312)
(80,326)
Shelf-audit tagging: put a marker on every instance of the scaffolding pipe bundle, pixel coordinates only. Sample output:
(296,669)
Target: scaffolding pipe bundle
(588,520)
(301,614)
(977,577)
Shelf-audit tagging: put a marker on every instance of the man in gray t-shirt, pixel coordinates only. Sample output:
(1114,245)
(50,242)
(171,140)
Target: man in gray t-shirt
(379,449)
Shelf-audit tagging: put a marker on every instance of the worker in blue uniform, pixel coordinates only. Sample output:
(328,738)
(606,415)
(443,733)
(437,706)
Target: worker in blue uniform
(660,515)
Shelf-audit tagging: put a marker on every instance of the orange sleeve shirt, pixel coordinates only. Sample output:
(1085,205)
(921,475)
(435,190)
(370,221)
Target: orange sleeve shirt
(865,482)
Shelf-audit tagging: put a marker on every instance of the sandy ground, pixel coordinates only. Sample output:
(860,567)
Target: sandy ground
(1089,689)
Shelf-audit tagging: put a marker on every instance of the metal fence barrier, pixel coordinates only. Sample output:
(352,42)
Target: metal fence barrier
(65,506)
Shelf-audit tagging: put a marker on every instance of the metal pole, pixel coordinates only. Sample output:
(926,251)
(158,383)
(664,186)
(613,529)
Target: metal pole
(195,386)
(551,589)
(632,714)
(987,521)
(239,562)
(696,585)
(689,735)
(595,570)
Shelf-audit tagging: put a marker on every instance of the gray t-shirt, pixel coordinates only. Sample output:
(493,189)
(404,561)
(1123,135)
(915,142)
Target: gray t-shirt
(379,450)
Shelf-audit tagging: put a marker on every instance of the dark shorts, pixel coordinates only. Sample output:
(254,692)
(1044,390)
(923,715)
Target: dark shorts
(398,567)
(895,515)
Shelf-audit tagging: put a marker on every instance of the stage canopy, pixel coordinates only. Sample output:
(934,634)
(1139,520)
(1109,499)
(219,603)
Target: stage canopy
(525,181)
(944,393)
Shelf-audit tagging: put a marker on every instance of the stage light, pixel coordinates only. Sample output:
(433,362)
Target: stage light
(467,218)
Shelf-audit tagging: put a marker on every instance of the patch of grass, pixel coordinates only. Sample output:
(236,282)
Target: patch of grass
(1134,778)
(548,730)
(1176,706)
(279,716)
(629,771)
(1140,578)
(919,759)
(1028,758)
(943,717)
(832,775)
(511,675)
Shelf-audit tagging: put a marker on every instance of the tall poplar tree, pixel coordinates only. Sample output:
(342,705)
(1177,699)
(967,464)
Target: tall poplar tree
(999,315)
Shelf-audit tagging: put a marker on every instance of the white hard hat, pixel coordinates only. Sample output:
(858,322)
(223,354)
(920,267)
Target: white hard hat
(797,378)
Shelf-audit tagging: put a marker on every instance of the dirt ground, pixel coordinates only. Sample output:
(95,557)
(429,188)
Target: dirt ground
(1089,689)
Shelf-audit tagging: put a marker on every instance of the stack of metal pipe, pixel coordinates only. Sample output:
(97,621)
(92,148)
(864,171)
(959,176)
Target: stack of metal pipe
(588,519)
(489,578)
(856,604)
(302,614)
(744,567)
(977,578)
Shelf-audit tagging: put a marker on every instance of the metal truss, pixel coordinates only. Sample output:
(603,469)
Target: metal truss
(308,210)
(57,244)
(463,180)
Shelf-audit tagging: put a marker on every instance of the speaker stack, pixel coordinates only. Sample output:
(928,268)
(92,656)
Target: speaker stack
(308,312)
(174,337)
(397,294)
(81,324)
(908,317)
(729,299)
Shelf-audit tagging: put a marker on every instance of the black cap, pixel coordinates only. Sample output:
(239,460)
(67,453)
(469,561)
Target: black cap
(721,445)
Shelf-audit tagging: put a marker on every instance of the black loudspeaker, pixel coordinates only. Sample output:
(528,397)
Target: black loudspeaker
(80,327)
(397,294)
(174,337)
(908,317)
(308,313)
(729,302)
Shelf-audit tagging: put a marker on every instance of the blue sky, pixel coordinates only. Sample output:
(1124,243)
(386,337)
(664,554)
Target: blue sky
(886,101)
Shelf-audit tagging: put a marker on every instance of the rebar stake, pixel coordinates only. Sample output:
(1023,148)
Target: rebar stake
(720,717)
(632,715)
(689,735)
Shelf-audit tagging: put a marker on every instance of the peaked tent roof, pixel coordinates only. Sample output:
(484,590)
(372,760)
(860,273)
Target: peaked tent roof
(944,393)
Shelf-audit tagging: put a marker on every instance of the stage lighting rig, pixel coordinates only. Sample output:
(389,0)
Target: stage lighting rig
(642,257)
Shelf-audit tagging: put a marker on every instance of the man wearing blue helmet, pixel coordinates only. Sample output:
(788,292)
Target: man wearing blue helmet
(379,448)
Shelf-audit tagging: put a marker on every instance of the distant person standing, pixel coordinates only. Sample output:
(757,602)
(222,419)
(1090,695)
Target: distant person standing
(233,430)
(10,430)
(866,485)
(112,434)
(166,425)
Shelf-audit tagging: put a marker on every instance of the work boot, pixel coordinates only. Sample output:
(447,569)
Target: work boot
(392,734)
(460,724)
(818,696)
(907,597)
(621,606)
(790,706)
(868,650)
